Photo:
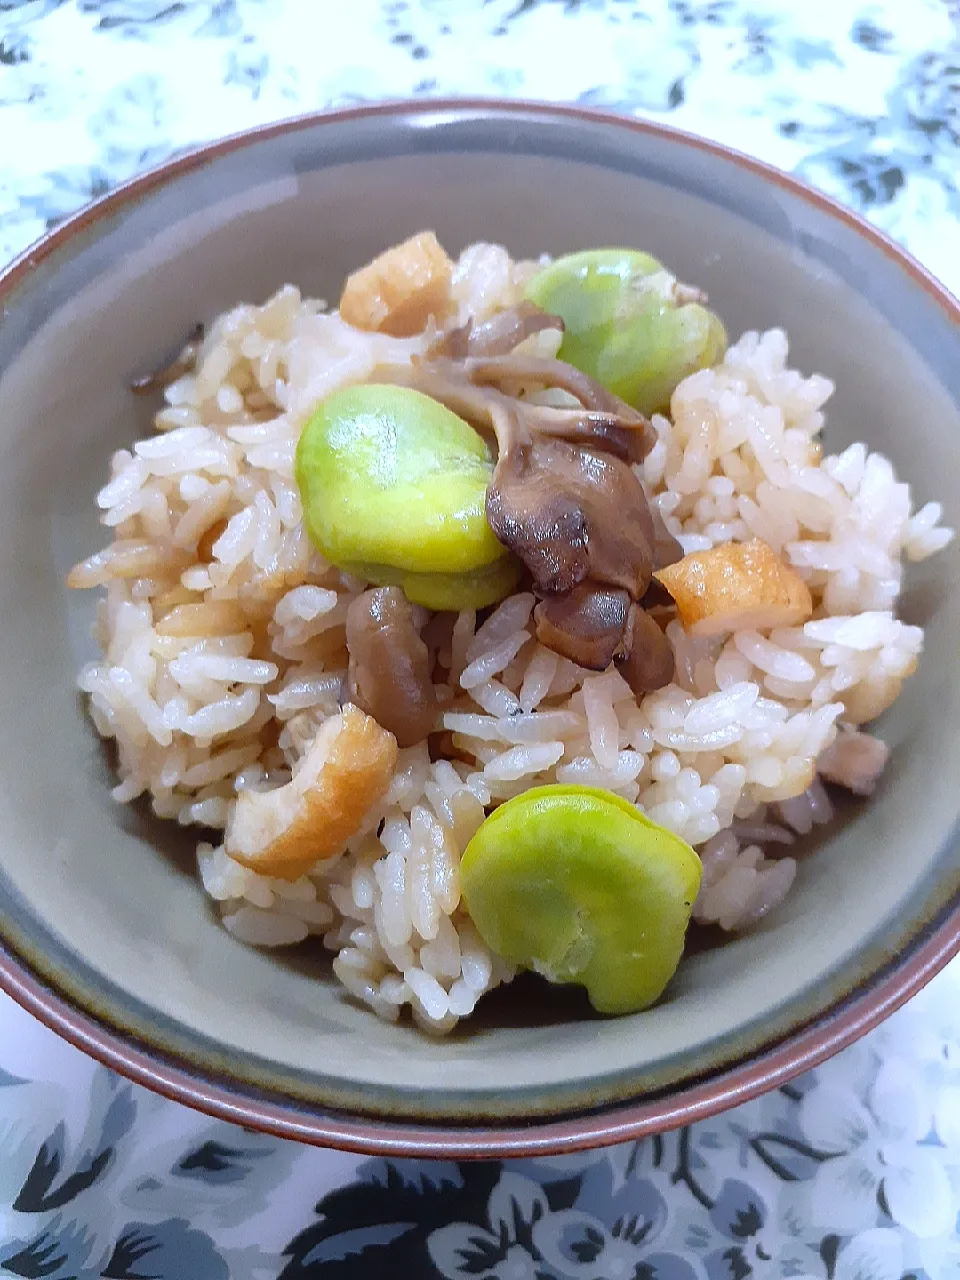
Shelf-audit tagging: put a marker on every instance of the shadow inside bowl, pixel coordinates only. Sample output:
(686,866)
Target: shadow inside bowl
(175,844)
(529,1002)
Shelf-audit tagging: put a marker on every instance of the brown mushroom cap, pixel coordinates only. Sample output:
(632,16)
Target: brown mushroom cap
(389,672)
(585,625)
(647,663)
(570,515)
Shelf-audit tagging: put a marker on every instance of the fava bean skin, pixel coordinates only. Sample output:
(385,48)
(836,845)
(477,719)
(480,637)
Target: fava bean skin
(580,886)
(628,324)
(393,488)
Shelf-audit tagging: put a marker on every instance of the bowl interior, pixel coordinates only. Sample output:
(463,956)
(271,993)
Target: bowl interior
(103,902)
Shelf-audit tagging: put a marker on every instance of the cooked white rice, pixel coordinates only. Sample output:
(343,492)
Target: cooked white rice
(222,632)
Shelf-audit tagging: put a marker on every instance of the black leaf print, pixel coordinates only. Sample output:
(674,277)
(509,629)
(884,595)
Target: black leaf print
(417,1176)
(483,1255)
(211,1157)
(683,1174)
(563,1194)
(41,1257)
(171,1250)
(882,1204)
(747,1223)
(45,1168)
(890,179)
(522,1229)
(789,1158)
(676,95)
(740,1268)
(637,1228)
(829,1248)
(128,1251)
(37,1196)
(589,1246)
(53,1180)
(214,1162)
(739,1210)
(874,180)
(14,50)
(390,1196)
(59,1252)
(362,1242)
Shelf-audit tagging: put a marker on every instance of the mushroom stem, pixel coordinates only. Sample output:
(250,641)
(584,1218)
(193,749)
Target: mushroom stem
(586,625)
(389,672)
(497,336)
(551,373)
(647,662)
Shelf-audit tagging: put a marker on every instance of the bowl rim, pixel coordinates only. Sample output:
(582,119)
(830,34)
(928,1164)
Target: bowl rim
(833,1028)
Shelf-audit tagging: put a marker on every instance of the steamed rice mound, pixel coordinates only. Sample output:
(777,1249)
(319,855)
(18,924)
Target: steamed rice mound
(224,652)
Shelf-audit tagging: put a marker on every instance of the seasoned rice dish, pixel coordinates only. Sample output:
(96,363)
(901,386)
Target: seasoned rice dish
(485,528)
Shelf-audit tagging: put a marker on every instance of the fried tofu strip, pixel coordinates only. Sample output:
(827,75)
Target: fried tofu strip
(401,289)
(734,587)
(345,772)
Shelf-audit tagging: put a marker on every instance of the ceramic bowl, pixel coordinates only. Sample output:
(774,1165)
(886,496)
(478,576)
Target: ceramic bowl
(105,933)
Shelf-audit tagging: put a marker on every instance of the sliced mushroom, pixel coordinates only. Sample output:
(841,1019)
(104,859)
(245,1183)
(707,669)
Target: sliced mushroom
(647,663)
(496,336)
(593,429)
(571,515)
(586,625)
(494,370)
(389,672)
(487,408)
(564,496)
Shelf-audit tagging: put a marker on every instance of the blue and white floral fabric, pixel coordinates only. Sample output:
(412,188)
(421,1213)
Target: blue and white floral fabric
(850,1173)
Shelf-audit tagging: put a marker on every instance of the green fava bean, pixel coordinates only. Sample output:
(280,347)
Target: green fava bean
(579,885)
(393,487)
(446,592)
(624,325)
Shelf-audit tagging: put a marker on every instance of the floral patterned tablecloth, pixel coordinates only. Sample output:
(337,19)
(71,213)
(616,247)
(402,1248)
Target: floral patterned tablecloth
(853,1171)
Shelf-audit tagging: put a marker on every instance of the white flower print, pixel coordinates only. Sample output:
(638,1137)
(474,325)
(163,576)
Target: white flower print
(877,1157)
(871,1255)
(503,1252)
